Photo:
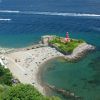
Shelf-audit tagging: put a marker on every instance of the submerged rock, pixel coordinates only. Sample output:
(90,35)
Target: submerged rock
(65,93)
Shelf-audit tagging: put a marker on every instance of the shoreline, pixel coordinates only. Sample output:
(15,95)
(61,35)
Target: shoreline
(26,63)
(39,74)
(39,78)
(28,74)
(79,52)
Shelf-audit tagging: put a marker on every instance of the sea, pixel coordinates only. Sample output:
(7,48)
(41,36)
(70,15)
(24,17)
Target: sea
(23,22)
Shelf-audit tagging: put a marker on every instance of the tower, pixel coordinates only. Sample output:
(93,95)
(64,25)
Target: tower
(67,37)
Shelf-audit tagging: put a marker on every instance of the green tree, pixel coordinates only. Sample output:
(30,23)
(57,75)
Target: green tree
(25,92)
(5,76)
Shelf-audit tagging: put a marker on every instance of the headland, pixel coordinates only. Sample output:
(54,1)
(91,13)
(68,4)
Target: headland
(24,63)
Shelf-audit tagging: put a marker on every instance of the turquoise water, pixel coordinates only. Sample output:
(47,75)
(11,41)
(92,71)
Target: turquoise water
(82,77)
(29,21)
(17,41)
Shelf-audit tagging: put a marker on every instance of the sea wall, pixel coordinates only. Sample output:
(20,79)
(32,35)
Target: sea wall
(79,51)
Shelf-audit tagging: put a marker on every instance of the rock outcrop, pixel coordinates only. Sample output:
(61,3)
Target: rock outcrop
(79,51)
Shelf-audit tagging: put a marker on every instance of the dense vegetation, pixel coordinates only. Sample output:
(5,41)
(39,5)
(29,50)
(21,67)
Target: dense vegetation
(9,91)
(24,92)
(5,80)
(65,47)
(5,76)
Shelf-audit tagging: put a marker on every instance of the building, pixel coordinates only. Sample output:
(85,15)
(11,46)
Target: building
(45,39)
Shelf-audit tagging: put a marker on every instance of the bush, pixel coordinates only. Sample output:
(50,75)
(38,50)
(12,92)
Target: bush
(5,76)
(3,89)
(25,92)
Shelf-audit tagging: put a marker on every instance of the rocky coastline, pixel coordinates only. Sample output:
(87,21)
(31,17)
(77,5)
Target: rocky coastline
(79,52)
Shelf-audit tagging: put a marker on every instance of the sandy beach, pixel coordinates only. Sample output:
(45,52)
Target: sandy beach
(25,63)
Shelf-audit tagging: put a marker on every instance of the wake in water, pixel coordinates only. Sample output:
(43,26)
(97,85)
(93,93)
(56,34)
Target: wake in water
(52,13)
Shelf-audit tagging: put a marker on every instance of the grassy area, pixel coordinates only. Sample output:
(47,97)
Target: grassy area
(65,47)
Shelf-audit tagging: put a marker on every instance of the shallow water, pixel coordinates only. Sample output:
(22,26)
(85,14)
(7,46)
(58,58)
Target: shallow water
(29,21)
(81,77)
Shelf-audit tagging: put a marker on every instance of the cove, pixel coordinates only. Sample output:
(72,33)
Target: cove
(81,77)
